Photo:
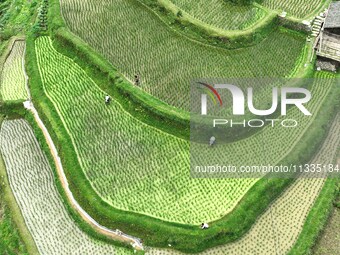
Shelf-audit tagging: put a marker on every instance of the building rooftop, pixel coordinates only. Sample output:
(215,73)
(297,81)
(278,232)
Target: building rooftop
(329,46)
(333,16)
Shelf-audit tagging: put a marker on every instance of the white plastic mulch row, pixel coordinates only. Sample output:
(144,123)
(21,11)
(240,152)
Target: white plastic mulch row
(32,182)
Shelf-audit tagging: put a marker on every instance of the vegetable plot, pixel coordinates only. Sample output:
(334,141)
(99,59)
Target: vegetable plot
(137,41)
(135,167)
(32,181)
(13,82)
(277,230)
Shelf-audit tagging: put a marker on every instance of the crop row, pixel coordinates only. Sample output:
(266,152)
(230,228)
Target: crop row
(13,82)
(278,229)
(135,167)
(222,14)
(297,8)
(32,182)
(137,41)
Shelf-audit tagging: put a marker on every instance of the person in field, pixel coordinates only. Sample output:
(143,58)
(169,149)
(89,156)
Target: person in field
(107,99)
(137,79)
(212,140)
(204,226)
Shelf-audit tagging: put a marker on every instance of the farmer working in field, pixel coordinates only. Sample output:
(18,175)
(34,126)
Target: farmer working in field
(137,79)
(212,140)
(204,226)
(107,99)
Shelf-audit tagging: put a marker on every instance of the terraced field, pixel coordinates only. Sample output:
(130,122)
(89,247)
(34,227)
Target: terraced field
(222,14)
(32,182)
(137,41)
(139,168)
(297,8)
(277,230)
(13,82)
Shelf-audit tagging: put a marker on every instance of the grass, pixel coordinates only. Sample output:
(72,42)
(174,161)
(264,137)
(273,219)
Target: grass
(11,242)
(230,20)
(136,41)
(15,111)
(197,30)
(17,17)
(51,114)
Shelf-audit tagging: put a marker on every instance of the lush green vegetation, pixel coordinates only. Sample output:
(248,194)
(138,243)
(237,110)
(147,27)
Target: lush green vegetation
(13,82)
(123,222)
(16,17)
(103,148)
(222,13)
(14,236)
(136,41)
(11,242)
(294,219)
(112,156)
(52,228)
(242,14)
(316,220)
